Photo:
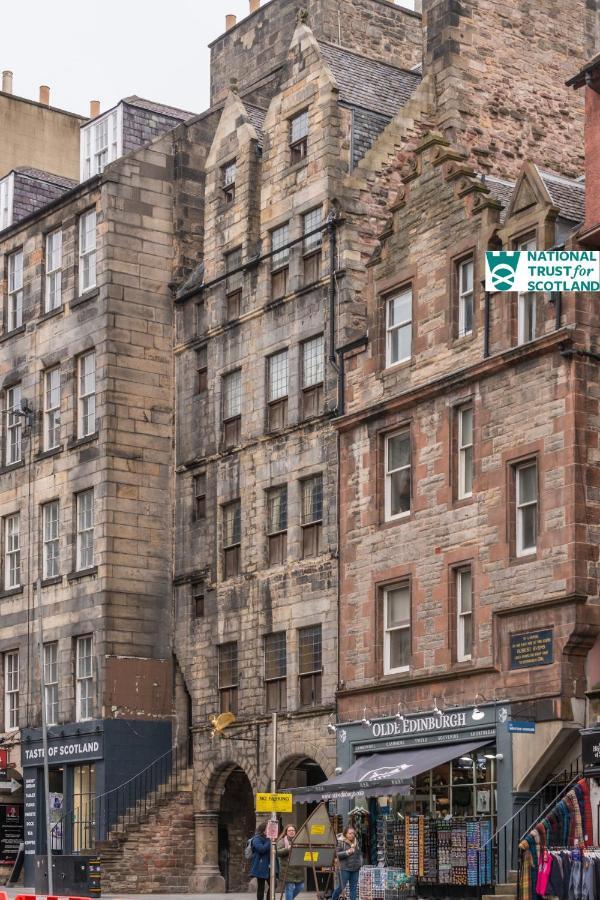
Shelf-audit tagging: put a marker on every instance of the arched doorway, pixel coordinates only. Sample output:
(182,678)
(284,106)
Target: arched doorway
(236,824)
(300,771)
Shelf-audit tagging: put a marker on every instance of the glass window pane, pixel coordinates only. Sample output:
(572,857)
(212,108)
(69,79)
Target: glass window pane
(466,429)
(527,484)
(398,606)
(400,309)
(465,592)
(398,446)
(399,648)
(529,526)
(400,492)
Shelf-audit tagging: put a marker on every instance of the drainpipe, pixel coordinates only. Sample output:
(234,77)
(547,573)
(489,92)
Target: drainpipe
(486,324)
(331,223)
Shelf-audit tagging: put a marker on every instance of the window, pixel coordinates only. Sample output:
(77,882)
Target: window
(277,525)
(11,690)
(527,507)
(464,614)
(228,677)
(280,261)
(313,373)
(310,665)
(14,313)
(396,636)
(465,452)
(12,552)
(228,174)
(398,313)
(87,251)
(86,419)
(85,530)
(465,297)
(298,137)
(277,377)
(200,496)
(84,679)
(276,671)
(397,475)
(232,538)
(14,425)
(198,599)
(83,827)
(51,682)
(202,369)
(101,143)
(234,283)
(232,407)
(526,303)
(52,408)
(6,201)
(53,295)
(50,540)
(312,515)
(311,245)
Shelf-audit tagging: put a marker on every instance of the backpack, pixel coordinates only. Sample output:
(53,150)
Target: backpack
(248,851)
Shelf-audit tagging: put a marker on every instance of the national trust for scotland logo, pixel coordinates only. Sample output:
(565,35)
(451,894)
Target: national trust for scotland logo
(542,271)
(503,266)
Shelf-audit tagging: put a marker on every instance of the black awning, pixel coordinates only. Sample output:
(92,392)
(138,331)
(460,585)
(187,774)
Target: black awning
(384,773)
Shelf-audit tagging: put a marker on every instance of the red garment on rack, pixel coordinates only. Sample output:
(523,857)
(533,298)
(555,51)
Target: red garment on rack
(588,828)
(544,869)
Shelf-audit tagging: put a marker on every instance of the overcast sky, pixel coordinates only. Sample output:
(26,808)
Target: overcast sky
(105,51)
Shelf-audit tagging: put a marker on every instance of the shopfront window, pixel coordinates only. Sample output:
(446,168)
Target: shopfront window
(84,794)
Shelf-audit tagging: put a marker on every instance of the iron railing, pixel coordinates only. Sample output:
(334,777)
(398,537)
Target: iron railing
(99,818)
(504,843)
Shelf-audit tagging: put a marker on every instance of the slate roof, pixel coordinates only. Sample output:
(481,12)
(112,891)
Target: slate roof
(568,194)
(501,191)
(172,111)
(256,116)
(368,83)
(48,177)
(193,282)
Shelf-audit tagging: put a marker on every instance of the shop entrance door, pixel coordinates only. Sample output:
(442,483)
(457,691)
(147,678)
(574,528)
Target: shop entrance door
(84,806)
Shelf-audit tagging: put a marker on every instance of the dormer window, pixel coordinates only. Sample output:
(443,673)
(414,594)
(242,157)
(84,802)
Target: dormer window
(101,142)
(228,174)
(6,201)
(299,137)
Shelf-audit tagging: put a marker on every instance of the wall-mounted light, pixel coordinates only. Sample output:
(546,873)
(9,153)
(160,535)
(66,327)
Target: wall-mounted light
(366,723)
(497,756)
(436,708)
(399,715)
(331,725)
(338,770)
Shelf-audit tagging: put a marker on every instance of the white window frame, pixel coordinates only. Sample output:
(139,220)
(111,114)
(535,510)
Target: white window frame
(465,295)
(526,299)
(404,432)
(52,388)
(97,153)
(12,552)
(86,394)
(463,615)
(51,539)
(14,426)
(51,682)
(397,326)
(463,454)
(522,505)
(85,530)
(278,376)
(387,668)
(53,292)
(84,678)
(6,201)
(313,361)
(14,311)
(88,240)
(232,395)
(11,690)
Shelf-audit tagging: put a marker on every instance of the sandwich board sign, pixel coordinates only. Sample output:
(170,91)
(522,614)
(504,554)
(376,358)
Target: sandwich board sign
(314,844)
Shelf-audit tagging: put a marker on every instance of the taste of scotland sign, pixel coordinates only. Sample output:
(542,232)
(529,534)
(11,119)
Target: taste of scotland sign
(532,648)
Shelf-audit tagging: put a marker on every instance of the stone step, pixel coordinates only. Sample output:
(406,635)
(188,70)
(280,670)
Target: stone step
(512,876)
(499,896)
(507,888)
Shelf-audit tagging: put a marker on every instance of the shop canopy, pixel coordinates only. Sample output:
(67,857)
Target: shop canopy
(384,773)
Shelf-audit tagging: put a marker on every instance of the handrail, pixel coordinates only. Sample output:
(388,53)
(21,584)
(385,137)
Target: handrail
(556,800)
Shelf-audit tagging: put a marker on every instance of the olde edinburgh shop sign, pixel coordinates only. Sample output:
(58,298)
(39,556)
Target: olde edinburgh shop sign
(444,726)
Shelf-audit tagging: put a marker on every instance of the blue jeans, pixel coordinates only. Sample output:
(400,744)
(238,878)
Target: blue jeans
(347,879)
(292,889)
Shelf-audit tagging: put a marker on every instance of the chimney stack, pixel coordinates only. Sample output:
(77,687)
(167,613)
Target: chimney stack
(254,5)
(94,108)
(45,94)
(230,21)
(589,80)
(7,81)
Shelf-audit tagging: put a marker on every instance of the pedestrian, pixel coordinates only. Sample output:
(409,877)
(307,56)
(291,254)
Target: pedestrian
(293,876)
(261,860)
(350,861)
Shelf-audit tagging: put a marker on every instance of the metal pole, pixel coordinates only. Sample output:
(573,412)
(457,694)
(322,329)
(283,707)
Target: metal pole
(45,739)
(273,814)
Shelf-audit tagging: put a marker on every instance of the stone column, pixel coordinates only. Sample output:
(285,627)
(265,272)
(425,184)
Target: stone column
(206,878)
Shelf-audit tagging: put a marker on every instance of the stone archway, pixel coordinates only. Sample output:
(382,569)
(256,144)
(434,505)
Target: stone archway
(300,770)
(237,822)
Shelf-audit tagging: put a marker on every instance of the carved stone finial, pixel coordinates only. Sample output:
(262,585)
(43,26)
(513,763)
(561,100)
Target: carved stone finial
(233,86)
(302,17)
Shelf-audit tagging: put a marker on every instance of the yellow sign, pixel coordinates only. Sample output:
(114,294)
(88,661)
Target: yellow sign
(281,803)
(311,857)
(317,829)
